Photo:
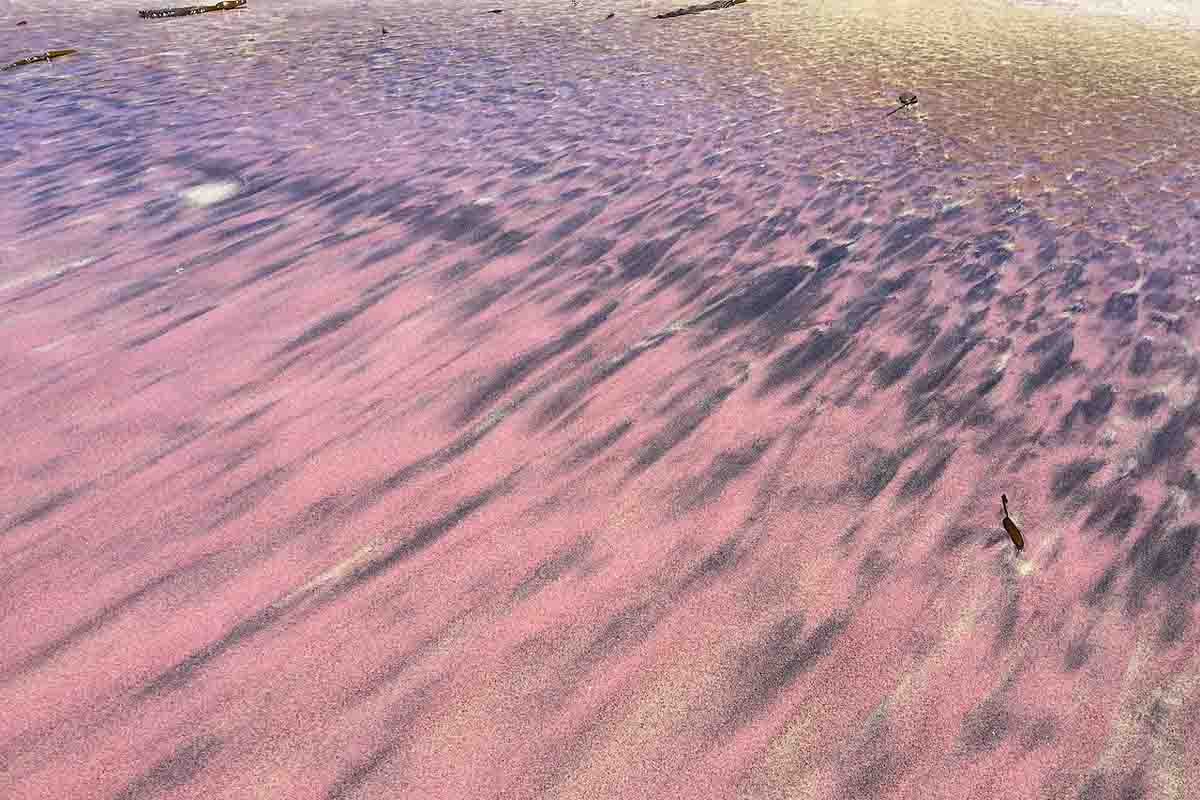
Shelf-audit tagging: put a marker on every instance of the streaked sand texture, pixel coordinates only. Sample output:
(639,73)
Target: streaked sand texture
(539,405)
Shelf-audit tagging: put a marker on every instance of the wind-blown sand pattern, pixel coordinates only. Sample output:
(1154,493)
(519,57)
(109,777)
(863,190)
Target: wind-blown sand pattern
(540,405)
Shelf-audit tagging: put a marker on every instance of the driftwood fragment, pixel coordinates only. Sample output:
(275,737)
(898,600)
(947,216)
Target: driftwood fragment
(159,13)
(679,12)
(46,56)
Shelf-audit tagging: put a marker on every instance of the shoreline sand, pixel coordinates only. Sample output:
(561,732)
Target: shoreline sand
(518,406)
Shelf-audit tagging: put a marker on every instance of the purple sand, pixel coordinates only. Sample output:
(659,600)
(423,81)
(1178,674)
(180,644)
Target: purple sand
(538,405)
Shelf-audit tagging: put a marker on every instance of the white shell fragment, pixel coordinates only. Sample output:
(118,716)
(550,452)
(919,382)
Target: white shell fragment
(208,194)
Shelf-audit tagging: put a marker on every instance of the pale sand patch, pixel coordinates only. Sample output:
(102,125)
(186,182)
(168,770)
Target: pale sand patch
(789,770)
(656,716)
(46,274)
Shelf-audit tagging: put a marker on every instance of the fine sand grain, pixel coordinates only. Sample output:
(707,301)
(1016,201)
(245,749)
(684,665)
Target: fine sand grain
(543,405)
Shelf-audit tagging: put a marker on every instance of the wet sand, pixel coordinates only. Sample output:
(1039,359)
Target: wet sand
(539,405)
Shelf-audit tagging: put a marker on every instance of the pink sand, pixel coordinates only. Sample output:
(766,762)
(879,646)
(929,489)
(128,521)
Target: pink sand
(560,410)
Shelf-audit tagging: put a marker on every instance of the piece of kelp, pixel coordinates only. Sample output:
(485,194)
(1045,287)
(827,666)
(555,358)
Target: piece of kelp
(46,56)
(679,12)
(159,13)
(1010,527)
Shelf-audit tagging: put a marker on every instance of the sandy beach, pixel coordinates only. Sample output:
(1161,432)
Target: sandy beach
(547,405)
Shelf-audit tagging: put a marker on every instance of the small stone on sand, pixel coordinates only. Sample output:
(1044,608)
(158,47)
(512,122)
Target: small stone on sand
(207,194)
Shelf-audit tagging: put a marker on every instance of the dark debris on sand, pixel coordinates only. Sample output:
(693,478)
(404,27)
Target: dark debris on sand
(47,56)
(187,11)
(696,9)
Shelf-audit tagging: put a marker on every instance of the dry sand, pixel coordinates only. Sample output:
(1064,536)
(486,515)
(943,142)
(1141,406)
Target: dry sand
(538,405)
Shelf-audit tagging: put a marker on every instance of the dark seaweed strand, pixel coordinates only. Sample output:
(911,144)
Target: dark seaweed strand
(158,13)
(46,56)
(696,9)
